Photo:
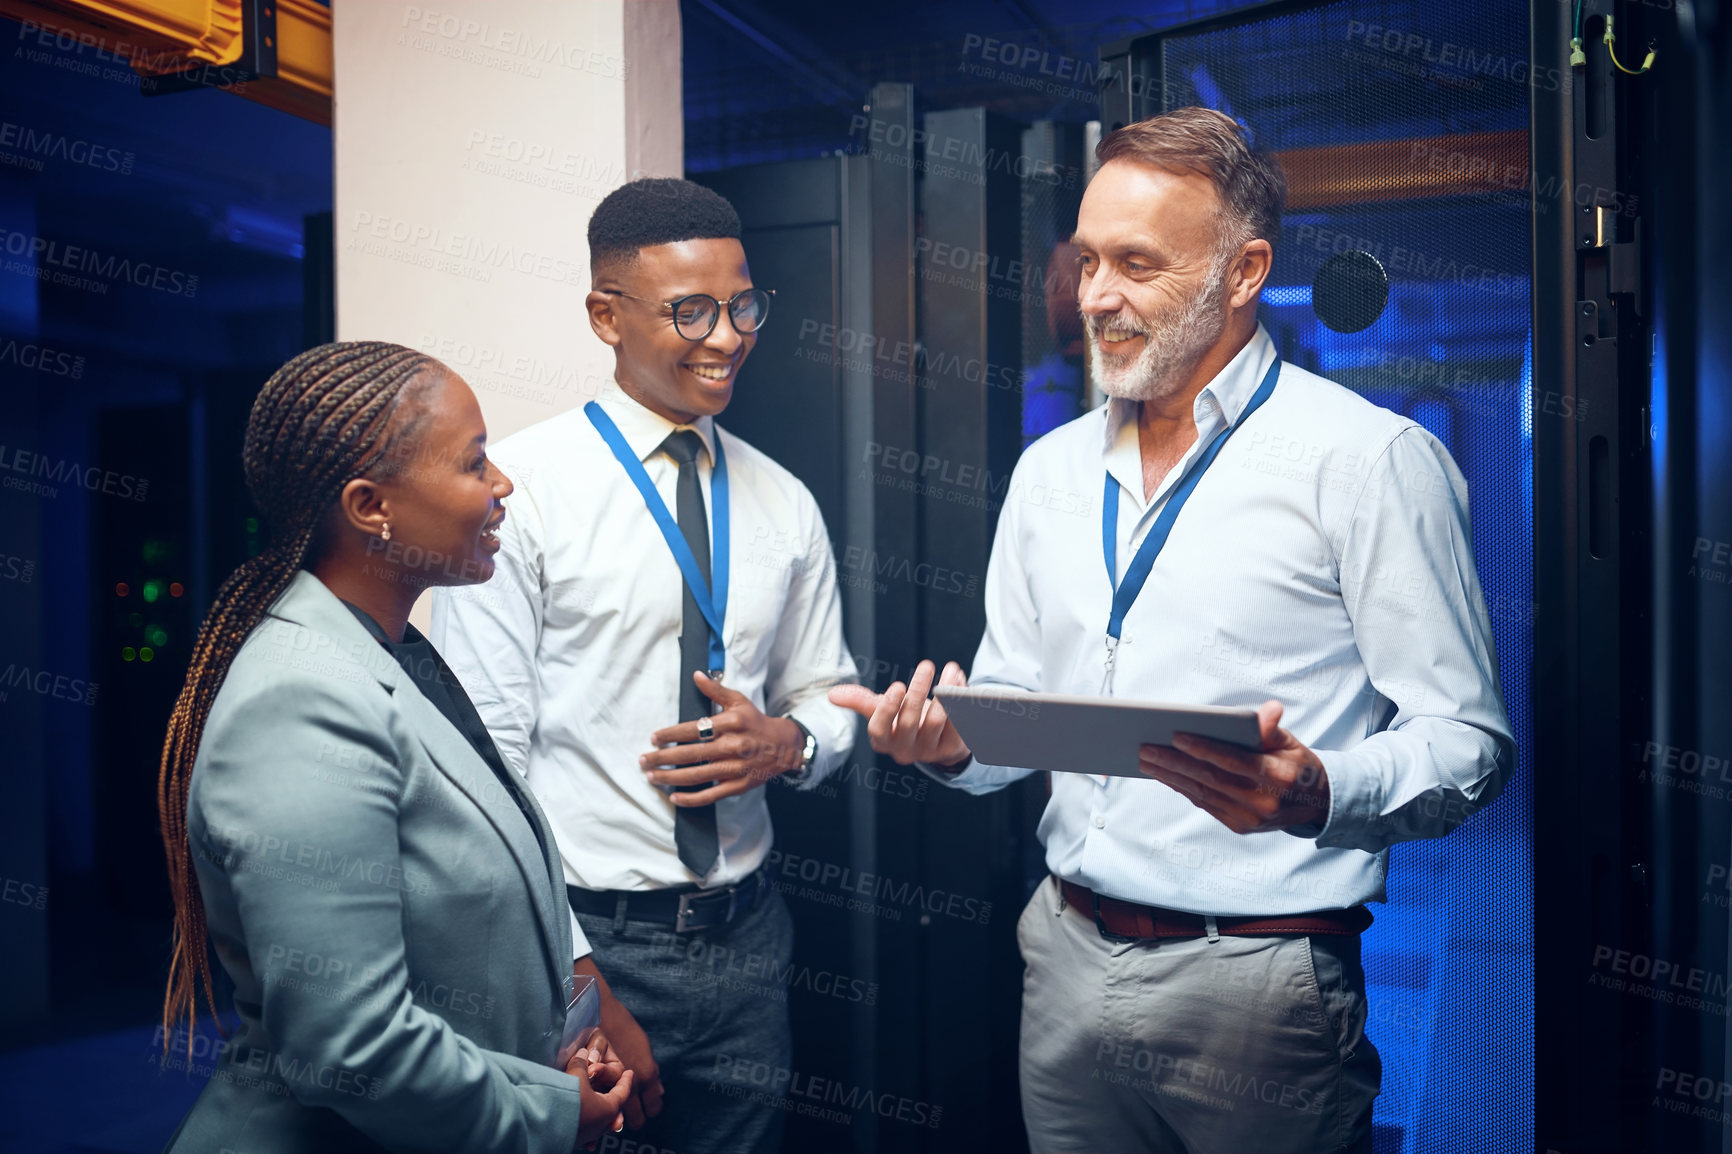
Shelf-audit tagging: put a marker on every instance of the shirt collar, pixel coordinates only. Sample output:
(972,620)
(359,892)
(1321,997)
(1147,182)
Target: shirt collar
(1227,394)
(1219,403)
(1235,385)
(643,429)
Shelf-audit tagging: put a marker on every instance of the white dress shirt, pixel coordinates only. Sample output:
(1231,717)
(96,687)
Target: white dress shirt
(571,652)
(1325,561)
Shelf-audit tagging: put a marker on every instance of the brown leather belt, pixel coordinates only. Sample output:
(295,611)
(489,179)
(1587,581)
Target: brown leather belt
(1129,920)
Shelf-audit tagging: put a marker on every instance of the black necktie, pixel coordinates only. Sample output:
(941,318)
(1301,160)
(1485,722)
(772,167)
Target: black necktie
(694,828)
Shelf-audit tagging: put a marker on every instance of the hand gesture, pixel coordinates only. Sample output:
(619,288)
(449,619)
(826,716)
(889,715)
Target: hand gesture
(746,749)
(903,723)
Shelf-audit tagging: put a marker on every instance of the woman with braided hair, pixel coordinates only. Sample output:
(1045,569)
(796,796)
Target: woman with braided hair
(382,892)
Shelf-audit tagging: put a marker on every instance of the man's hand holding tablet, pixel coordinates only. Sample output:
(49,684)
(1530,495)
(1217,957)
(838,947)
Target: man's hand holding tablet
(1281,785)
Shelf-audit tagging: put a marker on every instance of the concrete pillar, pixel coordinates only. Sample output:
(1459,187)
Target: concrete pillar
(473,138)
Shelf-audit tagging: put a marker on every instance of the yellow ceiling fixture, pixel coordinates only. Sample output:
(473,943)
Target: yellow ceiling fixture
(275,52)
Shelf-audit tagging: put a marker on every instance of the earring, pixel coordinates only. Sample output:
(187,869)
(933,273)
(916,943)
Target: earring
(385,531)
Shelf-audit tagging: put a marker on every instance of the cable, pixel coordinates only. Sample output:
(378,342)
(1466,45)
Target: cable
(1578,58)
(1612,51)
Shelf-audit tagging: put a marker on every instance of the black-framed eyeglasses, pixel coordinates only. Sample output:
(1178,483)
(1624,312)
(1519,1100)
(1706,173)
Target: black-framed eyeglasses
(695,315)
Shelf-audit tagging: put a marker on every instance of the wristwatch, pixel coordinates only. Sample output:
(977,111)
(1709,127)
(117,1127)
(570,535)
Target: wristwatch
(808,754)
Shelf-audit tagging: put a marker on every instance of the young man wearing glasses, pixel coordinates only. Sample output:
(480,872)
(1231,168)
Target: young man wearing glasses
(655,646)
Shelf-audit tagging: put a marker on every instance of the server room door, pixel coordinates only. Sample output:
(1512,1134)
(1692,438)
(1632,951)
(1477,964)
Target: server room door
(790,406)
(865,362)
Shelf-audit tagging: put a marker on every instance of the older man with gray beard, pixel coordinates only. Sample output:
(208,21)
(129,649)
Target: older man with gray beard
(1266,539)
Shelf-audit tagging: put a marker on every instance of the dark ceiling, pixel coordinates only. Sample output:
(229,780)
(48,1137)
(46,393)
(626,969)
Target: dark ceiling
(774,79)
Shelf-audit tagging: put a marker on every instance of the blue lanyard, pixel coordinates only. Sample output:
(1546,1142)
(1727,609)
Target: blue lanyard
(713,611)
(1125,594)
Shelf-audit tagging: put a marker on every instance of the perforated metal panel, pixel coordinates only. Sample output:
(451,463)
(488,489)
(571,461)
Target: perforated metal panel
(1403,130)
(1052,360)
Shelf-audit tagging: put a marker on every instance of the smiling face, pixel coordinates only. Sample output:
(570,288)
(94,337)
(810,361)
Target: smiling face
(444,500)
(680,379)
(1154,289)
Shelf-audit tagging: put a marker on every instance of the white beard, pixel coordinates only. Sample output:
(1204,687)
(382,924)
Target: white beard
(1173,342)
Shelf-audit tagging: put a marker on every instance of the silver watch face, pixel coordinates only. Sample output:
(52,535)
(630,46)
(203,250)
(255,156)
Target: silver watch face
(808,751)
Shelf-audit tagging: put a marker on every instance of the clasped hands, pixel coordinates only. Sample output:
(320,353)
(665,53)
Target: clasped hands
(1282,785)
(746,749)
(606,1088)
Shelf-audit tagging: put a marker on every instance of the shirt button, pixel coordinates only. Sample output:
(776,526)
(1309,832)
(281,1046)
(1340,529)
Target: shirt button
(1100,822)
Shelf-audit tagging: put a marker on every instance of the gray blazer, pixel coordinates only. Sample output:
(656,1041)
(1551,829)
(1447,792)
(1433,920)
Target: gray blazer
(399,945)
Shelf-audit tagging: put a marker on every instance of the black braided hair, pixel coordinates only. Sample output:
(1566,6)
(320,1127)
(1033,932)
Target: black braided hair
(323,419)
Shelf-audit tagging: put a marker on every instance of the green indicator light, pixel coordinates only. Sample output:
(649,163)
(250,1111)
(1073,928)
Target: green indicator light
(252,524)
(146,653)
(156,550)
(128,653)
(158,637)
(152,590)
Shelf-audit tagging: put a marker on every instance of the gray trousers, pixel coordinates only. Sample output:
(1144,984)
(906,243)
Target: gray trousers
(1235,1046)
(717,1017)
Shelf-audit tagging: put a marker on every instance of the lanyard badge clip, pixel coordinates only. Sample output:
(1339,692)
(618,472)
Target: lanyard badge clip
(1112,659)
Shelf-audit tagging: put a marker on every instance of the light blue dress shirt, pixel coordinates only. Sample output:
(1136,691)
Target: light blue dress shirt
(1324,561)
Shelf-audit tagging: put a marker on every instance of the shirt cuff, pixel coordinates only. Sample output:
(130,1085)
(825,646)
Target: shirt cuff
(833,727)
(951,775)
(1355,801)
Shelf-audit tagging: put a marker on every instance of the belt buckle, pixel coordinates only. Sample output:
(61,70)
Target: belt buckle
(1101,926)
(686,913)
(681,924)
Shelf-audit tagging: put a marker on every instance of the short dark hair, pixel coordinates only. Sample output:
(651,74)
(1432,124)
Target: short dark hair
(652,211)
(1248,179)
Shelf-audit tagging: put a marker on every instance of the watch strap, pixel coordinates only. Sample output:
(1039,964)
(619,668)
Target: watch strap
(808,753)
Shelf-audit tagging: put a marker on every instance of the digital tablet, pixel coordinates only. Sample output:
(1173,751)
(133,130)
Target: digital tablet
(1069,734)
